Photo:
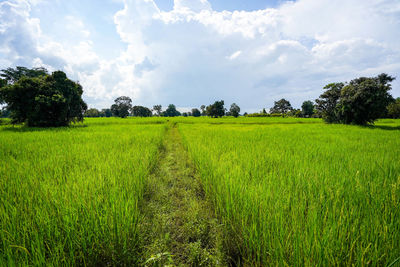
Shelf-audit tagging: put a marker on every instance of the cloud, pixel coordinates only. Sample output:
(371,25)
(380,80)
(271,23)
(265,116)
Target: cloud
(193,55)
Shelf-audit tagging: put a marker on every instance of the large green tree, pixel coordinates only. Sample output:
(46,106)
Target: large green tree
(307,108)
(140,111)
(158,109)
(46,100)
(361,101)
(12,75)
(196,112)
(282,106)
(234,110)
(122,106)
(328,101)
(171,111)
(394,109)
(92,112)
(216,110)
(365,100)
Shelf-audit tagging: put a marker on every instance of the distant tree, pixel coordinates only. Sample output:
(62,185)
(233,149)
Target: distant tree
(11,75)
(234,110)
(264,111)
(196,112)
(203,110)
(328,101)
(46,100)
(92,112)
(282,106)
(171,111)
(105,112)
(139,111)
(185,114)
(307,108)
(216,110)
(122,106)
(394,109)
(245,114)
(295,113)
(158,109)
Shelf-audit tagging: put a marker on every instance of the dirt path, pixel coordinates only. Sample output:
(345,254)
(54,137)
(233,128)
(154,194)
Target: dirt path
(179,227)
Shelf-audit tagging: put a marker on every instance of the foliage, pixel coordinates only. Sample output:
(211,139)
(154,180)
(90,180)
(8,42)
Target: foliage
(92,112)
(105,112)
(234,110)
(11,75)
(394,109)
(51,100)
(364,100)
(361,101)
(216,110)
(140,111)
(158,109)
(282,106)
(122,106)
(328,101)
(307,108)
(171,111)
(196,112)
(295,113)
(203,110)
(262,114)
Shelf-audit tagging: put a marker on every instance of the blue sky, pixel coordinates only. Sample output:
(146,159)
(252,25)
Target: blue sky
(193,52)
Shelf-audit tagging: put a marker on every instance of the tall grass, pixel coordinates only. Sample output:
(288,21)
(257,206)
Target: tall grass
(303,194)
(69,196)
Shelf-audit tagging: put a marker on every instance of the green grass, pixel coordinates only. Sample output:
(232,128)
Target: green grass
(69,196)
(285,190)
(303,194)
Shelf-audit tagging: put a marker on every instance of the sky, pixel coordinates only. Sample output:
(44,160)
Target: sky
(194,52)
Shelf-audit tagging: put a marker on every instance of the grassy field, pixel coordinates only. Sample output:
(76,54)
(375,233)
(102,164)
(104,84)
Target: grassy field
(303,194)
(285,190)
(69,196)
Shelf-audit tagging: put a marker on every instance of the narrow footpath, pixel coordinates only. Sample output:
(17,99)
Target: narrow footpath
(179,227)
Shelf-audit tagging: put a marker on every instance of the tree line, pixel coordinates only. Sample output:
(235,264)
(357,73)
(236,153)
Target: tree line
(123,108)
(38,98)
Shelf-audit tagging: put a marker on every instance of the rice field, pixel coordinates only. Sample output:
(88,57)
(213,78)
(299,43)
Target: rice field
(304,194)
(286,191)
(69,196)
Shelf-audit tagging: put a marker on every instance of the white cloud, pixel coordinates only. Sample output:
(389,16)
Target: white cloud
(193,55)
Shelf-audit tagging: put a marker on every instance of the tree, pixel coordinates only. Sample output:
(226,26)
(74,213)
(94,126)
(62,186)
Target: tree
(122,106)
(203,110)
(171,111)
(394,109)
(158,109)
(196,112)
(140,111)
(234,110)
(281,106)
(105,112)
(92,112)
(264,111)
(46,100)
(11,75)
(216,110)
(327,102)
(307,108)
(364,100)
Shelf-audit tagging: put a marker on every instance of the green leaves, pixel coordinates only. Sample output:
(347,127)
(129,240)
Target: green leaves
(40,99)
(361,101)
